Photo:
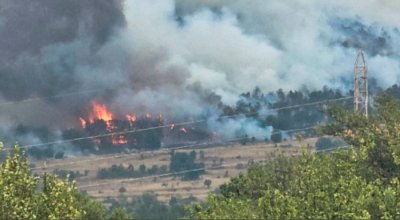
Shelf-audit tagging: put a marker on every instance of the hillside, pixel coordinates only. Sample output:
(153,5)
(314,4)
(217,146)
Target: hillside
(228,162)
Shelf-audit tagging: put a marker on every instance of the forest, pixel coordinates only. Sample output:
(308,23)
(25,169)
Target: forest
(357,182)
(251,105)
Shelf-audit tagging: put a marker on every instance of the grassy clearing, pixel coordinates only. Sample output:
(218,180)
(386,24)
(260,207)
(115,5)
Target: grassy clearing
(237,156)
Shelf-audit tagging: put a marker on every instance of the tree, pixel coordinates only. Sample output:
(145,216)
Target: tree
(181,161)
(376,137)
(92,209)
(207,183)
(119,214)
(276,137)
(19,198)
(22,198)
(122,189)
(83,144)
(142,169)
(360,182)
(329,143)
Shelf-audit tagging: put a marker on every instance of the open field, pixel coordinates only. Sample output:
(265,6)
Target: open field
(224,162)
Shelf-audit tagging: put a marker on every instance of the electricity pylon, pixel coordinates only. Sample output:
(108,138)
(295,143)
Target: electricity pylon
(361,84)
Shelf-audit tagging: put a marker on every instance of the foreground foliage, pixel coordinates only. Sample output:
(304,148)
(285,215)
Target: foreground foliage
(147,206)
(361,182)
(20,199)
(24,196)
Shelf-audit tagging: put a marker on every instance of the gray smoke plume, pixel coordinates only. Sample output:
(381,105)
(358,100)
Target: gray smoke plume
(180,58)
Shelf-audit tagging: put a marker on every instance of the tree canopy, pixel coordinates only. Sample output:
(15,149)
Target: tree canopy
(25,196)
(359,182)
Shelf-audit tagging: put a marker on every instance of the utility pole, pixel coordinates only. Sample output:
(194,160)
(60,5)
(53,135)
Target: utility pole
(361,84)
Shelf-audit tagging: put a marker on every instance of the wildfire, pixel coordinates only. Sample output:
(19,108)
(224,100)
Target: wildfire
(119,140)
(100,112)
(83,122)
(131,117)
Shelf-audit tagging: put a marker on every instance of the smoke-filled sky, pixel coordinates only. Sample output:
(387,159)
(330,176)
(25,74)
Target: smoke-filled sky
(175,57)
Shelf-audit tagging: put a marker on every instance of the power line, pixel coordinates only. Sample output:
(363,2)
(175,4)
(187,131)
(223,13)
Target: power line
(191,170)
(312,103)
(110,134)
(166,149)
(173,124)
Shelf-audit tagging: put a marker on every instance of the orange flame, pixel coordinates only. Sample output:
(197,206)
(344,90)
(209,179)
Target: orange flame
(101,112)
(183,130)
(131,118)
(83,122)
(119,140)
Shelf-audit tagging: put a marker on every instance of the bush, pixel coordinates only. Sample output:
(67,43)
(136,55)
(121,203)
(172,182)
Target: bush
(119,171)
(325,143)
(276,137)
(181,161)
(207,183)
(122,189)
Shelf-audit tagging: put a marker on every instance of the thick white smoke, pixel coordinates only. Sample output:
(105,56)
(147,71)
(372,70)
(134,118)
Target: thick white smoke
(228,47)
(310,44)
(170,57)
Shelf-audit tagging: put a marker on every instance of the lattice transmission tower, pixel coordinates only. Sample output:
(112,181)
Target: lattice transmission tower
(361,84)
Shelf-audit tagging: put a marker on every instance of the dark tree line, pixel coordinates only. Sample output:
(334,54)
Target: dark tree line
(108,143)
(254,105)
(119,171)
(259,106)
(180,161)
(147,206)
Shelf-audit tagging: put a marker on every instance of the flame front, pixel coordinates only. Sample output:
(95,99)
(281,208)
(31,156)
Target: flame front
(114,127)
(100,112)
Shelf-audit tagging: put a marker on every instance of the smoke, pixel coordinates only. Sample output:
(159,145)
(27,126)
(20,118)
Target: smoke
(317,39)
(181,58)
(240,127)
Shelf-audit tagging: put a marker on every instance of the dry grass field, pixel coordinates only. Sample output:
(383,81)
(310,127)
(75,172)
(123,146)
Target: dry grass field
(222,163)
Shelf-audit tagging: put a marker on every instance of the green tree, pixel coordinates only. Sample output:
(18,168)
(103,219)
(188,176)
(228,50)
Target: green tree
(377,138)
(181,161)
(119,214)
(20,199)
(360,182)
(93,210)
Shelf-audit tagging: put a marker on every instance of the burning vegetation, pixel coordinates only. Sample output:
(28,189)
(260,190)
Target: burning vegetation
(99,130)
(111,131)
